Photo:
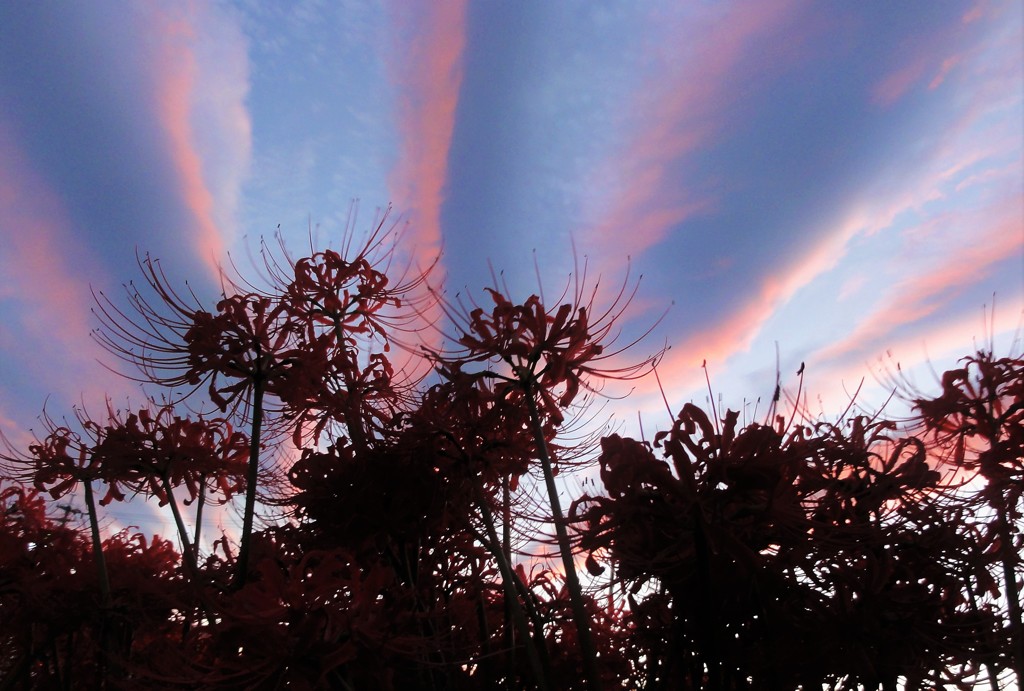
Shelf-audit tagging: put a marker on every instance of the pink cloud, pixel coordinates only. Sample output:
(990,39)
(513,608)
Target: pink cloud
(42,264)
(927,351)
(922,295)
(737,331)
(910,190)
(948,65)
(12,431)
(429,76)
(925,63)
(896,84)
(174,108)
(35,229)
(681,370)
(976,12)
(200,74)
(960,335)
(678,115)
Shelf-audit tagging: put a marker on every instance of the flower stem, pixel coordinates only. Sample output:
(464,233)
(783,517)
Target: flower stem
(572,581)
(252,478)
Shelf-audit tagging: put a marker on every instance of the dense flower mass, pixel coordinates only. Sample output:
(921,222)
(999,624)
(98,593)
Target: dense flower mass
(413,535)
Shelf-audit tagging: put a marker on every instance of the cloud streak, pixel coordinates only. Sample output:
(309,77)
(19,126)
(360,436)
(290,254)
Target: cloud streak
(678,115)
(838,178)
(428,74)
(134,116)
(737,331)
(998,239)
(898,220)
(123,127)
(177,84)
(45,303)
(191,97)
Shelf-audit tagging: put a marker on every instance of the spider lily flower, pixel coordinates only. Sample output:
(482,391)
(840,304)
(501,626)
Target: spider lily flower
(137,452)
(552,353)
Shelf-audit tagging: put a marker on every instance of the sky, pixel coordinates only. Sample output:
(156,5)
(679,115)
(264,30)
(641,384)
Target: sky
(839,184)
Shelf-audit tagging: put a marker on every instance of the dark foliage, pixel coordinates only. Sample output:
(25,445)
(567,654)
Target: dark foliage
(722,557)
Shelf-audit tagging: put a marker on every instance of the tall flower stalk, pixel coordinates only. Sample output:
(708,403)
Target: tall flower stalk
(541,359)
(282,351)
(739,556)
(978,421)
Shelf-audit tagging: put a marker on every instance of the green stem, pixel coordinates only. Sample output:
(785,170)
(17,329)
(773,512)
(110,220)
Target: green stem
(354,401)
(511,598)
(1007,557)
(486,670)
(972,601)
(200,503)
(572,581)
(252,478)
(103,576)
(97,545)
(506,518)
(506,550)
(188,555)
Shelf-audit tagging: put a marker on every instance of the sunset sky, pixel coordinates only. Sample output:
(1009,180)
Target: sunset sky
(843,179)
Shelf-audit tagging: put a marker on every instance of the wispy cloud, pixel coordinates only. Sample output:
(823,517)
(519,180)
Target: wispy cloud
(45,304)
(735,332)
(159,145)
(201,79)
(678,112)
(963,216)
(124,127)
(919,356)
(427,71)
(897,83)
(945,219)
(998,237)
(925,60)
(174,109)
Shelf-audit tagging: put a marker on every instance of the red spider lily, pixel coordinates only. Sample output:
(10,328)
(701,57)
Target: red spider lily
(293,340)
(337,393)
(61,461)
(647,507)
(139,452)
(356,291)
(815,531)
(143,568)
(545,351)
(721,557)
(978,421)
(49,600)
(248,339)
(345,296)
(174,342)
(981,411)
(561,634)
(380,494)
(326,617)
(339,380)
(53,621)
(470,425)
(549,356)
(151,451)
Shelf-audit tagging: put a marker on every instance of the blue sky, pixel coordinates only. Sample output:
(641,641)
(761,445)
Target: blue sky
(841,178)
